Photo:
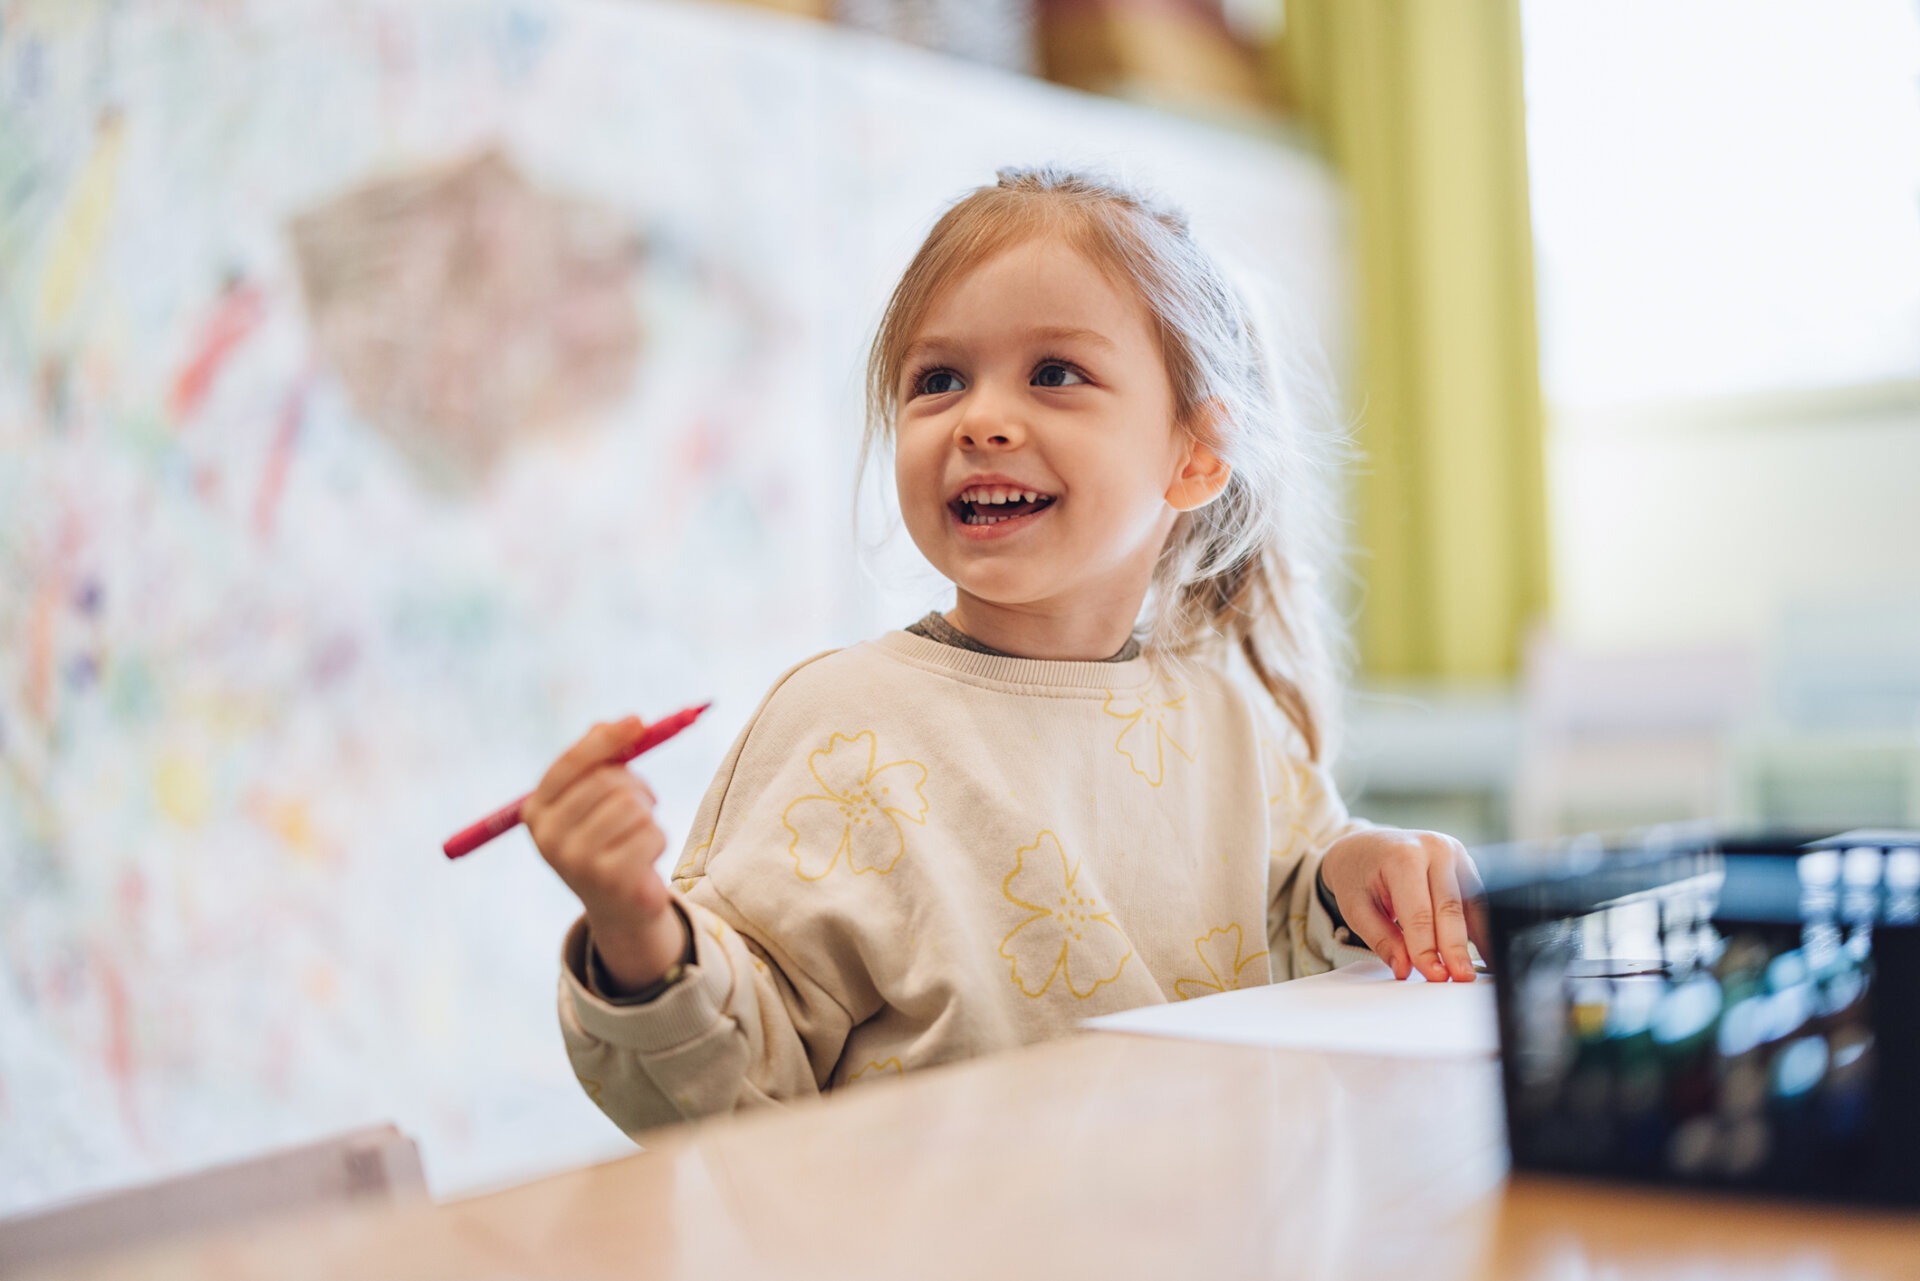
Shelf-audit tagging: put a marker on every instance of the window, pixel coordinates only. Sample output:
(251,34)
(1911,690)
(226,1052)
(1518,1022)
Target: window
(1726,195)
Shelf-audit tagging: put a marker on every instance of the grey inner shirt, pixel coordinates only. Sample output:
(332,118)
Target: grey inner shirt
(935,627)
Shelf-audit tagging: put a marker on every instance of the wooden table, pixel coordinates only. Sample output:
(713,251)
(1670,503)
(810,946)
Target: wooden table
(1100,1156)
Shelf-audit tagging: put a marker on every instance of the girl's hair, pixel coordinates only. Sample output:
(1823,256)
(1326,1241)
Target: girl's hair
(1244,570)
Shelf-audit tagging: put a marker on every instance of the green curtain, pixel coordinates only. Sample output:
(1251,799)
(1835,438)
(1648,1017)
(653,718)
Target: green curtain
(1419,105)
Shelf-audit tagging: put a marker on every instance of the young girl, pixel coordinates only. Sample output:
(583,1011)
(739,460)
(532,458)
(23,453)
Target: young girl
(977,832)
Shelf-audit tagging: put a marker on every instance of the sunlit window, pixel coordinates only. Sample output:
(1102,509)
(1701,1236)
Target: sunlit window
(1726,195)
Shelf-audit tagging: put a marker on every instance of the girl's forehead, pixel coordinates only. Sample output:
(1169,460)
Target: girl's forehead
(1038,280)
(1051,254)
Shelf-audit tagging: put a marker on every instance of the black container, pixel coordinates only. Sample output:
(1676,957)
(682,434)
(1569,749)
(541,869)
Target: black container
(1711,1010)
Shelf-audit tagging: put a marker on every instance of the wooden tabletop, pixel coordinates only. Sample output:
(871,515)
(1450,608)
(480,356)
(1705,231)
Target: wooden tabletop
(1100,1156)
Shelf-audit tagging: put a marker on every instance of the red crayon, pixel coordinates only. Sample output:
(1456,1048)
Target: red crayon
(508,817)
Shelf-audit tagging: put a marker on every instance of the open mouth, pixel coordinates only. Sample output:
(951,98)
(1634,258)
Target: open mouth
(996,505)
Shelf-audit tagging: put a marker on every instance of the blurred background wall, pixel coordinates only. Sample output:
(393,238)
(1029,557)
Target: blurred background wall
(389,390)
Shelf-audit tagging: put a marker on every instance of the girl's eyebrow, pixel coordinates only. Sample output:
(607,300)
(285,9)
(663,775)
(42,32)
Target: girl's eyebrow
(1045,333)
(1090,336)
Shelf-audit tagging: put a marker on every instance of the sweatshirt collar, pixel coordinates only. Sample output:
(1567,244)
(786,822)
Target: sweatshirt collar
(1031,673)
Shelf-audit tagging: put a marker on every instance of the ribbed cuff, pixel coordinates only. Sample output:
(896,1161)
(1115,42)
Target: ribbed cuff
(1327,900)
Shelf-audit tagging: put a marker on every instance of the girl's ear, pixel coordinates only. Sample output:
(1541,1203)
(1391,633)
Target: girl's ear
(1203,474)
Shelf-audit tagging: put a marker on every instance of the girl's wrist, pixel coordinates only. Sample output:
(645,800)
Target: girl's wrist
(633,960)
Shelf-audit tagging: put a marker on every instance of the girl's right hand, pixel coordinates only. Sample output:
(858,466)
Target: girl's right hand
(593,822)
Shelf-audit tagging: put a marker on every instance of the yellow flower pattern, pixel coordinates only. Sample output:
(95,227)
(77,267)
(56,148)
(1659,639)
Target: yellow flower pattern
(1151,718)
(857,815)
(685,873)
(1223,955)
(1288,799)
(1066,935)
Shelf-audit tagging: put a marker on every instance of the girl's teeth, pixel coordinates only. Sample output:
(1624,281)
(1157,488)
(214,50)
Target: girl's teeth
(991,497)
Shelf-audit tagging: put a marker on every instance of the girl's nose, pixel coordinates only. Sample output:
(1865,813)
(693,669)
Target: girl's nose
(974,438)
(985,427)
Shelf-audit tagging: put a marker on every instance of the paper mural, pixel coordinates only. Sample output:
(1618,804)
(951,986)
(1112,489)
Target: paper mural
(461,308)
(388,392)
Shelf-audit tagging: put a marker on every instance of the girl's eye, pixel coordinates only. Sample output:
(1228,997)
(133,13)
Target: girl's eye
(937,382)
(1055,374)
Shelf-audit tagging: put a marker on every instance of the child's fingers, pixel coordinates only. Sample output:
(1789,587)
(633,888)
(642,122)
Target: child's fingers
(1405,874)
(607,741)
(619,837)
(606,854)
(566,812)
(1450,915)
(1379,933)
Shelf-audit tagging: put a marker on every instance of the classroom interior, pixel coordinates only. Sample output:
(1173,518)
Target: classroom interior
(391,389)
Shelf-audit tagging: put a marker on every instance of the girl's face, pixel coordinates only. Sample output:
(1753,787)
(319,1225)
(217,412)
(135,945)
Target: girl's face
(1034,373)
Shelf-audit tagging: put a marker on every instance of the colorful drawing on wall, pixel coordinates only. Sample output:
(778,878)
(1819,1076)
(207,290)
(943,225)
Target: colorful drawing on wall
(462,308)
(387,392)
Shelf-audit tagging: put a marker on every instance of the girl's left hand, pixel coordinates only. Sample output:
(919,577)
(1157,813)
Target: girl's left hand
(1412,897)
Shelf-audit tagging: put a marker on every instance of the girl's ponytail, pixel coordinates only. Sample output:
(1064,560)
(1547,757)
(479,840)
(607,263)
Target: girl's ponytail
(1246,605)
(1249,570)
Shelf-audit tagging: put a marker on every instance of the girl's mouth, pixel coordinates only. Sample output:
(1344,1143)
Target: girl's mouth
(988,519)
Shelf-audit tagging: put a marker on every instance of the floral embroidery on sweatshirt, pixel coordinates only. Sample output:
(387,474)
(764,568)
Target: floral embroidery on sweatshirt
(1067,935)
(689,868)
(1295,797)
(882,1068)
(1224,957)
(857,815)
(1151,717)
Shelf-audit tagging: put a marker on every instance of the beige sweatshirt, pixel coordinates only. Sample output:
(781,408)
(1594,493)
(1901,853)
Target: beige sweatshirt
(916,853)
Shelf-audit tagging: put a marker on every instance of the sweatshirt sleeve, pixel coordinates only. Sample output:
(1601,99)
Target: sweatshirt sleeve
(1305,815)
(723,1038)
(749,1024)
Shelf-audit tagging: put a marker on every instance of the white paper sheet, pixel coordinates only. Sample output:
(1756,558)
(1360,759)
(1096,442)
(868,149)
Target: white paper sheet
(1358,1009)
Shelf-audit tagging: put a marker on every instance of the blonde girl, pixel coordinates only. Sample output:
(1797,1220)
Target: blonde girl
(1054,799)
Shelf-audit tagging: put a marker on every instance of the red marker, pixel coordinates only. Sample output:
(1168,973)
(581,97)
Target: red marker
(507,818)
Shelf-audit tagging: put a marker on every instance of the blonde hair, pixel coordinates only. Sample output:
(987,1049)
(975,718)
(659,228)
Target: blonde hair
(1244,570)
